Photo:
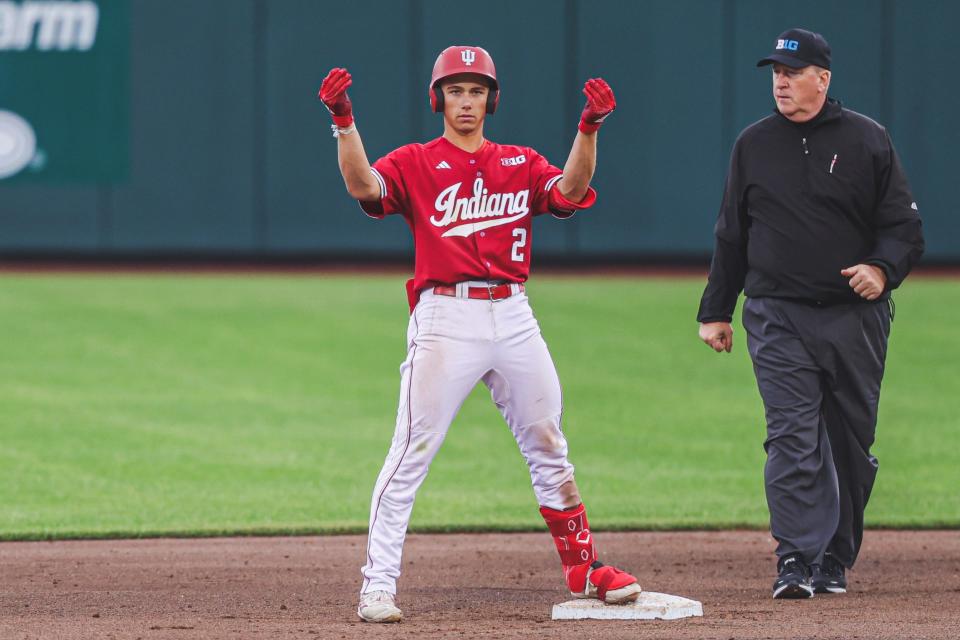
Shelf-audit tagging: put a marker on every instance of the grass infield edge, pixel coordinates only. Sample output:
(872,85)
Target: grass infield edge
(266,532)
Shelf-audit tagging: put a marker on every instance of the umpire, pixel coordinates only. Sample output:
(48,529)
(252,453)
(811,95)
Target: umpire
(817,227)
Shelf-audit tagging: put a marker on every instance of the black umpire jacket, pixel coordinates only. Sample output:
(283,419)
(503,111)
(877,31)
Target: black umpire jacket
(804,201)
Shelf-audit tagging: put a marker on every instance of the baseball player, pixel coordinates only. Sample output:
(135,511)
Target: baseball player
(469,203)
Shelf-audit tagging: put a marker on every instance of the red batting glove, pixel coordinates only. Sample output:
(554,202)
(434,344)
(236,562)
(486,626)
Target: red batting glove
(600,104)
(333,94)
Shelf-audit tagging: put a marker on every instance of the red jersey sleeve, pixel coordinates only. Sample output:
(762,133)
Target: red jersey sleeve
(546,197)
(393,191)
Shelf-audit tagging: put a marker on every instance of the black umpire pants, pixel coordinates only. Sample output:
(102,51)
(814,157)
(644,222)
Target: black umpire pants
(819,371)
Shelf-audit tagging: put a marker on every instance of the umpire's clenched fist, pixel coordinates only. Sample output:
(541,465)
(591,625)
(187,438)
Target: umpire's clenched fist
(717,335)
(867,281)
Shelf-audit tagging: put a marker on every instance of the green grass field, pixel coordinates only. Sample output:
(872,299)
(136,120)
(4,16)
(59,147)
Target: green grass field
(138,405)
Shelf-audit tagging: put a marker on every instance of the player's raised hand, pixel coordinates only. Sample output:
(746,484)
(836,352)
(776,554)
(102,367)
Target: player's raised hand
(333,94)
(600,104)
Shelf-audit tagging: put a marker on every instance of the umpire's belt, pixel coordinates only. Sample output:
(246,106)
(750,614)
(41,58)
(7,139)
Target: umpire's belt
(489,291)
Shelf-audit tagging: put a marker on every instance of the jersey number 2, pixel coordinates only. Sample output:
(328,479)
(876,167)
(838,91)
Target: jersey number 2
(521,235)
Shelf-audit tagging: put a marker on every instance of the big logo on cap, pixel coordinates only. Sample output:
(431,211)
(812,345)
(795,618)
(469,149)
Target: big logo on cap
(18,144)
(790,45)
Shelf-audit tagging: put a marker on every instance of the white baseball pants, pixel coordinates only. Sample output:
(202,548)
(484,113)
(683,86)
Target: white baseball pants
(453,343)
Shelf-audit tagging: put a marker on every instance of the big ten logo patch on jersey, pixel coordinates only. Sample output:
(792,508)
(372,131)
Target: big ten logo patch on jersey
(789,45)
(481,204)
(512,162)
(468,56)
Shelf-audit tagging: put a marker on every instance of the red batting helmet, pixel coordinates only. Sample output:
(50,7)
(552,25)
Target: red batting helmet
(460,59)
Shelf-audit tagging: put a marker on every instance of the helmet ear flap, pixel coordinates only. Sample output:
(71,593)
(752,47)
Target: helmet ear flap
(493,99)
(436,99)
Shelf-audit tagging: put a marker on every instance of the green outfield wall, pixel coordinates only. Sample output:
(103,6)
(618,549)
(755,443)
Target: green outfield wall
(192,128)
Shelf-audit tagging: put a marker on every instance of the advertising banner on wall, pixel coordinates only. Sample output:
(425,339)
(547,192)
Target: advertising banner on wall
(64,91)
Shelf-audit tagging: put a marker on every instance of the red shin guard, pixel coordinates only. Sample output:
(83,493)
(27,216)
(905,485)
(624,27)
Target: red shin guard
(585,575)
(571,534)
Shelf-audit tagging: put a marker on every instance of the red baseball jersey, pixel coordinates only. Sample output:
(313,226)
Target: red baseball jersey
(470,213)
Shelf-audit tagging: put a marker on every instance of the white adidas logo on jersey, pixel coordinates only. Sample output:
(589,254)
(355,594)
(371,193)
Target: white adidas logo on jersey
(443,165)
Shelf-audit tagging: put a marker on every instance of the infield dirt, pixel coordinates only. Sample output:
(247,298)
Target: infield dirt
(906,585)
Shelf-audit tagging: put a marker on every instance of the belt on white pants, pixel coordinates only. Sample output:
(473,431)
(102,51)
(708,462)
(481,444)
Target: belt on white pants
(480,290)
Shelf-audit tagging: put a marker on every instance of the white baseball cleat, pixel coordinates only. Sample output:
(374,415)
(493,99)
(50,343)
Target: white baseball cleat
(378,606)
(608,584)
(624,595)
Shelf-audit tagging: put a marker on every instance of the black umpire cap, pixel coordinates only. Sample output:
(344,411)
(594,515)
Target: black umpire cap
(799,48)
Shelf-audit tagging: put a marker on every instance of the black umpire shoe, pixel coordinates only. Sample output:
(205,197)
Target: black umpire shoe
(793,580)
(828,577)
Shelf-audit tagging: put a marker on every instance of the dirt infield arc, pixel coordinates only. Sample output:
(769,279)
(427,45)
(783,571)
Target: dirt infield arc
(907,585)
